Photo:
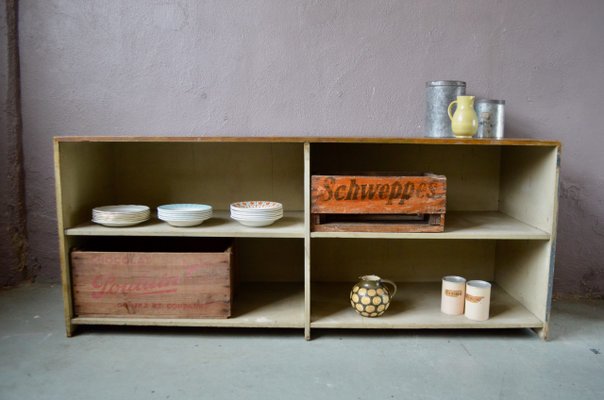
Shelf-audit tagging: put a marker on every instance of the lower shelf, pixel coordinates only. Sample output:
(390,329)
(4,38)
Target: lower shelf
(415,306)
(281,305)
(260,305)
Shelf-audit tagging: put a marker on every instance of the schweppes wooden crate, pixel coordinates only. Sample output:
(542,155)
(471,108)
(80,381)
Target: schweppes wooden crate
(152,284)
(379,203)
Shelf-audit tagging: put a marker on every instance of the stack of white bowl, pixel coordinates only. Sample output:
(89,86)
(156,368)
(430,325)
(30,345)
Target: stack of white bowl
(256,213)
(120,215)
(184,214)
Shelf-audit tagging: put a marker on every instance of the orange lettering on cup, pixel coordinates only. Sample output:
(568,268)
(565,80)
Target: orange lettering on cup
(474,299)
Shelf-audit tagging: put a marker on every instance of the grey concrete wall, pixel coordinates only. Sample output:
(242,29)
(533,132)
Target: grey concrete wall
(316,68)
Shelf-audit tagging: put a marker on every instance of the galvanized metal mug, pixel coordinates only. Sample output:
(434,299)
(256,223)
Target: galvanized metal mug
(439,94)
(491,114)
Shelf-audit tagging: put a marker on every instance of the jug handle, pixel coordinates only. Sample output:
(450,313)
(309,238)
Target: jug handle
(393,286)
(449,109)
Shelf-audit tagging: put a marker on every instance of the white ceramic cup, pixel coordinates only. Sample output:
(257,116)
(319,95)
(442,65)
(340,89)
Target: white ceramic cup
(478,300)
(452,295)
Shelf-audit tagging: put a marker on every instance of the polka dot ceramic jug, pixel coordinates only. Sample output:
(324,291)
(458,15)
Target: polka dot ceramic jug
(370,297)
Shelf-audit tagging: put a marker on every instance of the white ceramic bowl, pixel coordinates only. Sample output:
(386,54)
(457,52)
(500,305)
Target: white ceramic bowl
(256,223)
(184,208)
(185,223)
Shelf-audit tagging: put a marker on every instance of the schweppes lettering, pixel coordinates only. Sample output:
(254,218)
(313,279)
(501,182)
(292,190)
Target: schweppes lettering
(391,192)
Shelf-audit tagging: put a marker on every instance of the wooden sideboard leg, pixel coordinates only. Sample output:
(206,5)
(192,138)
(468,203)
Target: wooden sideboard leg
(543,333)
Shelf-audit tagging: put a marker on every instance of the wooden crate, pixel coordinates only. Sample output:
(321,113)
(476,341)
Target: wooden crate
(154,285)
(378,203)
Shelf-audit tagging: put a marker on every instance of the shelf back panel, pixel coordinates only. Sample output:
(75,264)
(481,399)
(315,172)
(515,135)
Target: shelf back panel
(344,260)
(210,173)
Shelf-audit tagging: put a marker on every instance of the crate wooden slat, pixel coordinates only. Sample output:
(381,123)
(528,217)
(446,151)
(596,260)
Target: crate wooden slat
(152,285)
(257,305)
(379,203)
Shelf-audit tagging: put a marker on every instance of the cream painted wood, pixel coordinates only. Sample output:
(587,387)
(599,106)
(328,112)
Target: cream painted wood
(415,306)
(63,245)
(523,270)
(529,184)
(307,242)
(461,225)
(84,179)
(500,223)
(258,305)
(269,260)
(221,225)
(344,260)
(211,173)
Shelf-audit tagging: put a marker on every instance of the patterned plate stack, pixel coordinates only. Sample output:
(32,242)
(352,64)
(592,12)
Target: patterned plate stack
(256,213)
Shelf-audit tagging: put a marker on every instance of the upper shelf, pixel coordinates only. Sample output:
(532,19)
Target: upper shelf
(220,225)
(460,225)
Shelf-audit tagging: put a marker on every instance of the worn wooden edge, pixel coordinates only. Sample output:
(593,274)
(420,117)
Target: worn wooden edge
(182,322)
(544,334)
(313,139)
(377,227)
(307,229)
(63,250)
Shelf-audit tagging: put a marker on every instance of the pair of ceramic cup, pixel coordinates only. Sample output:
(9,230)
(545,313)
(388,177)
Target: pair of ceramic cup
(471,298)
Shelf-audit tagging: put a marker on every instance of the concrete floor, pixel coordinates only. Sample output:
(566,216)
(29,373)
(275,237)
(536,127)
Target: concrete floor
(38,362)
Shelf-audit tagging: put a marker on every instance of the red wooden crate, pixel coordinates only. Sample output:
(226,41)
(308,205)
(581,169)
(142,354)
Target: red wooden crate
(154,285)
(379,203)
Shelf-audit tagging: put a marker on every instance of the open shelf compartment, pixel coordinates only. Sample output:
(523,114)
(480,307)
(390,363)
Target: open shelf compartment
(493,192)
(93,174)
(267,282)
(518,272)
(416,306)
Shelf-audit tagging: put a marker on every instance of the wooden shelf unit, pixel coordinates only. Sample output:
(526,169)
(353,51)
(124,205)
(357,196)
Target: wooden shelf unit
(500,224)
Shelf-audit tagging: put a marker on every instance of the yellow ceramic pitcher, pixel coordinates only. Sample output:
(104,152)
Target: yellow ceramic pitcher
(464,122)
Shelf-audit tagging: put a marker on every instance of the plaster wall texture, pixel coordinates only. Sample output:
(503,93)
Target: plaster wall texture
(338,68)
(7,274)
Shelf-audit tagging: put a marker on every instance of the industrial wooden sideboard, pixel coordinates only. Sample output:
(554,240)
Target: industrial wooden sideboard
(500,224)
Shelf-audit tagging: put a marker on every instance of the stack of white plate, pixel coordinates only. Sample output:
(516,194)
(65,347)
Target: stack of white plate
(256,213)
(120,215)
(184,214)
